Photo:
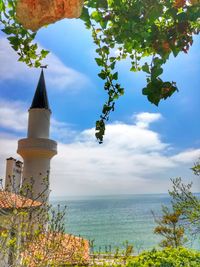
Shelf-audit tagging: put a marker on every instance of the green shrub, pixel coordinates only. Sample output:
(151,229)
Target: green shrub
(169,257)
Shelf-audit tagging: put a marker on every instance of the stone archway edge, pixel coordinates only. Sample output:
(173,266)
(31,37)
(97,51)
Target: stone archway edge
(33,14)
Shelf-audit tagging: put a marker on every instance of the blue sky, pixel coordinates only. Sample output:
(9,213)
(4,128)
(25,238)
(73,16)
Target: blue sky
(144,145)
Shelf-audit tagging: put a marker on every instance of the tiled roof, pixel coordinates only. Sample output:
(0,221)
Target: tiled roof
(59,248)
(10,200)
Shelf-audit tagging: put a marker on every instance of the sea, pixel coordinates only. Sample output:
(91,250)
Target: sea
(112,222)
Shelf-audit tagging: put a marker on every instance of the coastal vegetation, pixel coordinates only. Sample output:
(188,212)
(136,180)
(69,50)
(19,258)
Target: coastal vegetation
(168,257)
(169,227)
(184,214)
(184,201)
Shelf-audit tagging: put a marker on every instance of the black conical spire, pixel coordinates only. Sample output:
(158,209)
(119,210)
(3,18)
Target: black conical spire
(40,99)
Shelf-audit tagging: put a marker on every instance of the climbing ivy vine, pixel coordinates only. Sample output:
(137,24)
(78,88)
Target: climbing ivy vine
(134,29)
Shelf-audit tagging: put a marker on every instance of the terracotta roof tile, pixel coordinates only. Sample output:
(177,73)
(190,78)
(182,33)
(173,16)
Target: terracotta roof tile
(10,200)
(57,248)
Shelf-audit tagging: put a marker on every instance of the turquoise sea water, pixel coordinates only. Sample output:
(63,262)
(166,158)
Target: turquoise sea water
(111,220)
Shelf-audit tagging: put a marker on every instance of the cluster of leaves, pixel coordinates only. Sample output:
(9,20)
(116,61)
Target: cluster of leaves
(184,201)
(184,214)
(169,257)
(196,168)
(169,227)
(20,39)
(136,29)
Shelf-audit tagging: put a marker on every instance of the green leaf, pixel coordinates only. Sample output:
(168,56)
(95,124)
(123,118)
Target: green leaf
(145,68)
(102,4)
(156,71)
(96,16)
(44,53)
(105,49)
(112,66)
(86,17)
(102,75)
(8,30)
(99,61)
(115,76)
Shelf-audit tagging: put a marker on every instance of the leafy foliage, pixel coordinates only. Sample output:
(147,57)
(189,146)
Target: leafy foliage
(20,39)
(169,257)
(138,29)
(169,227)
(186,202)
(134,29)
(196,168)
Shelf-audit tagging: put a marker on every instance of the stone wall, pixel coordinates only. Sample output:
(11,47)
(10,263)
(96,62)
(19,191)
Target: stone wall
(33,14)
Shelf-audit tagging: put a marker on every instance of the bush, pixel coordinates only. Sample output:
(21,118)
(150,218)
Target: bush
(169,257)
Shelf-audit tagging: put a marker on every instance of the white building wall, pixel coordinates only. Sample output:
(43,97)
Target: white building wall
(13,175)
(39,123)
(36,174)
(37,153)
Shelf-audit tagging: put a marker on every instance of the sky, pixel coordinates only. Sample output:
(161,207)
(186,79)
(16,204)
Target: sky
(144,145)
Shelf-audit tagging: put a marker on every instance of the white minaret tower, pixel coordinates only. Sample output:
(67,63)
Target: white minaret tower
(37,149)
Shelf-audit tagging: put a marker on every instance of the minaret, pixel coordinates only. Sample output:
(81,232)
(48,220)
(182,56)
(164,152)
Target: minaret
(37,149)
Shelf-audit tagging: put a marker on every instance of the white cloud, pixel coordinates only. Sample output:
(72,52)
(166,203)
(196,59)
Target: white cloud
(123,164)
(13,115)
(59,76)
(133,158)
(187,156)
(62,131)
(144,119)
(62,77)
